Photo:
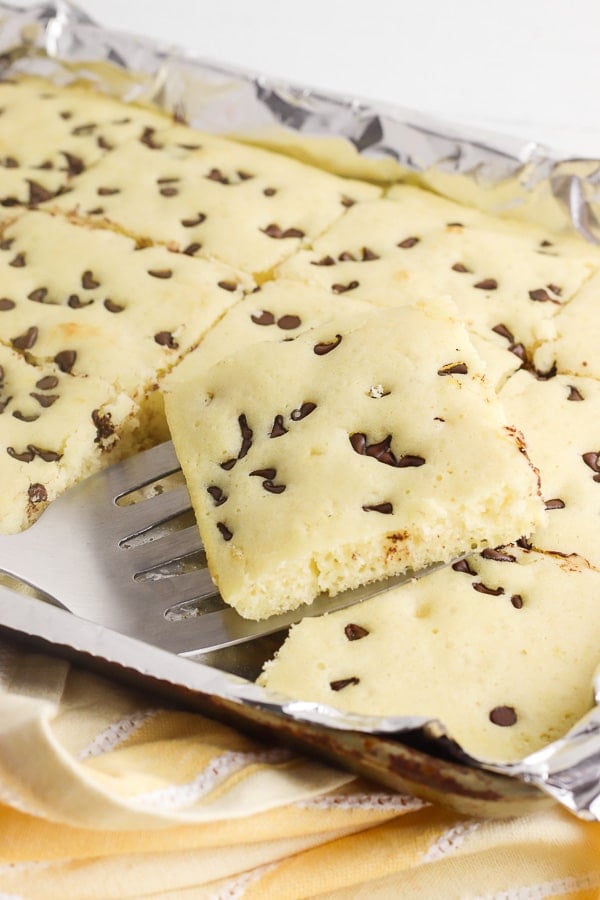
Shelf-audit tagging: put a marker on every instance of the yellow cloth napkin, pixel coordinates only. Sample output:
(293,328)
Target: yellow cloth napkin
(105,795)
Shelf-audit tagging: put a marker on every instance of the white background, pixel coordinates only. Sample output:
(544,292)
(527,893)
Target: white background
(524,67)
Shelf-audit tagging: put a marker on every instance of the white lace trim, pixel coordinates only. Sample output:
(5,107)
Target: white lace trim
(395,802)
(116,733)
(218,770)
(237,887)
(450,840)
(546,888)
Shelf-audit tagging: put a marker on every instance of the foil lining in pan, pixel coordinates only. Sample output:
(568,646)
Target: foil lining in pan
(362,139)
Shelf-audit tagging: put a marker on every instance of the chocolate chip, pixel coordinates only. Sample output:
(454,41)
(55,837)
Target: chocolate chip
(462,565)
(302,411)
(503,716)
(65,360)
(524,544)
(97,211)
(343,683)
(18,261)
(504,332)
(574,393)
(326,347)
(459,368)
(355,632)
(459,267)
(10,162)
(103,143)
(45,400)
(23,418)
(264,317)
(408,242)
(228,464)
(88,281)
(169,191)
(147,138)
(556,503)
(273,488)
(75,302)
(217,494)
(520,351)
(275,231)
(545,243)
(347,201)
(517,601)
(409,460)
(343,288)
(46,455)
(39,295)
(75,165)
(217,175)
(108,191)
(225,532)
(26,456)
(166,339)
(26,340)
(37,493)
(192,248)
(484,589)
(325,261)
(541,296)
(382,452)
(593,461)
(288,322)
(160,273)
(6,304)
(190,223)
(104,425)
(244,176)
(246,436)
(488,284)
(113,307)
(47,383)
(498,555)
(6,243)
(228,285)
(385,508)
(555,289)
(88,128)
(278,429)
(265,473)
(37,193)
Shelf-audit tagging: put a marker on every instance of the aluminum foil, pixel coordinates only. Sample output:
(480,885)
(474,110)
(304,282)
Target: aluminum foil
(363,139)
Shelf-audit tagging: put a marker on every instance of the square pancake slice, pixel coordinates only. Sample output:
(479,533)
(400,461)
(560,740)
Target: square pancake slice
(364,447)
(501,648)
(508,280)
(56,428)
(50,134)
(561,421)
(209,196)
(95,303)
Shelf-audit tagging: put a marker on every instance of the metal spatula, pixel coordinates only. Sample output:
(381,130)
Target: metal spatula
(126,566)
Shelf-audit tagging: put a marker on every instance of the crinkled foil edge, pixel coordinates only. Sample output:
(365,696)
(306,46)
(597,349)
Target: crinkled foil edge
(365,139)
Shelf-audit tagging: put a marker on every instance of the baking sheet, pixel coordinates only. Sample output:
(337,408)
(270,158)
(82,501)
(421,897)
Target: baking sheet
(367,140)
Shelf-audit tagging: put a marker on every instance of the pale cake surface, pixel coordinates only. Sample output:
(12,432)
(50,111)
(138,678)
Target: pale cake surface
(366,446)
(209,196)
(502,652)
(575,345)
